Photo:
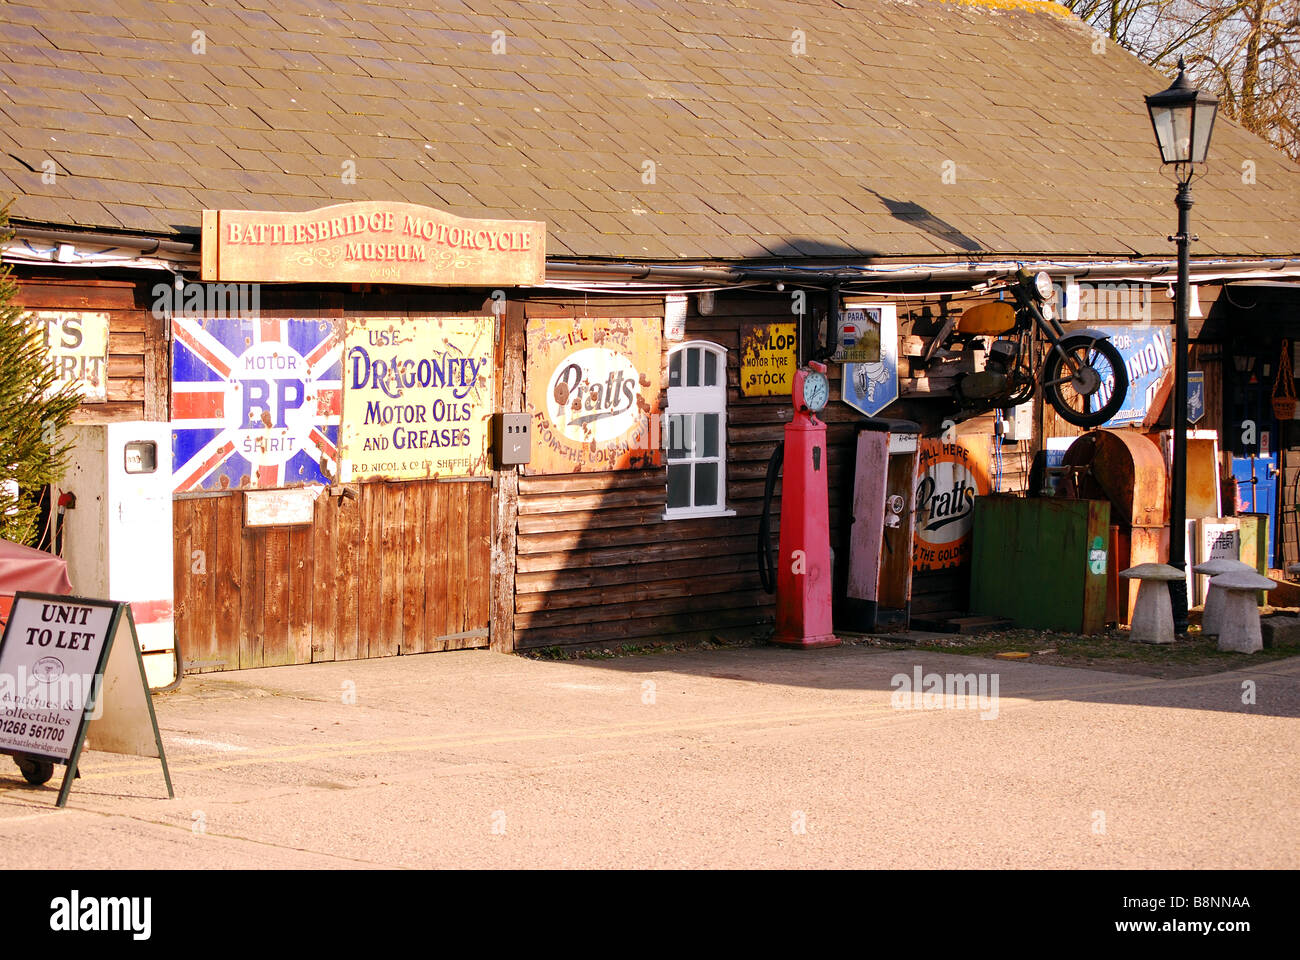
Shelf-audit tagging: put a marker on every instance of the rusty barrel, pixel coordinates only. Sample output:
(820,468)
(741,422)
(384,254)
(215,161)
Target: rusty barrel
(1126,468)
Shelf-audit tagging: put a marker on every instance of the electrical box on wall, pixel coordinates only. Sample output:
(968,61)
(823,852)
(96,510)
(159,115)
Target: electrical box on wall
(1017,423)
(117,539)
(512,435)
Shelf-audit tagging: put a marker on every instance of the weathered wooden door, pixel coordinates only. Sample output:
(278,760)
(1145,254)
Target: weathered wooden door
(400,568)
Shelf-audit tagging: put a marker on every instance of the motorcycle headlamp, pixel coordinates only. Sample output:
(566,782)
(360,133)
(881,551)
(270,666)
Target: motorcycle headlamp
(1042,285)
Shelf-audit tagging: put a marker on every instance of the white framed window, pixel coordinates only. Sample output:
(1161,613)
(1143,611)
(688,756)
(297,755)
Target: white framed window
(695,431)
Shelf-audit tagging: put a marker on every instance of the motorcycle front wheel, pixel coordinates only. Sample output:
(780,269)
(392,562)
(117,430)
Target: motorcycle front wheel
(1092,393)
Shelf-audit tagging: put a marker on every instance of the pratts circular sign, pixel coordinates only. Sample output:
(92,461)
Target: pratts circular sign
(950,477)
(592,395)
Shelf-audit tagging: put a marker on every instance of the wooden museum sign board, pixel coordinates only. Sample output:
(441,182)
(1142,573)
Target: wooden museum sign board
(371,242)
(71,674)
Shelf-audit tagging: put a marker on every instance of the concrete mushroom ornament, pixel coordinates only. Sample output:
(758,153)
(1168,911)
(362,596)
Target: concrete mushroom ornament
(1153,614)
(1212,616)
(1239,630)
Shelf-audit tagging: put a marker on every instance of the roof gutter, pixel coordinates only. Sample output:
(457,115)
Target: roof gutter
(970,272)
(146,245)
(560,270)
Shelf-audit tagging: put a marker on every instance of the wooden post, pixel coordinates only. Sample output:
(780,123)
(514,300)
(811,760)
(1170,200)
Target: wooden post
(157,368)
(510,361)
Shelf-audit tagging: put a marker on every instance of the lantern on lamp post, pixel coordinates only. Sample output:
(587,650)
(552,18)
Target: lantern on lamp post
(1183,119)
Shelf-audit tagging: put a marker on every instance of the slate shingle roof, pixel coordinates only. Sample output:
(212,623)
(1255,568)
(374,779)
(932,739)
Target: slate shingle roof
(758,153)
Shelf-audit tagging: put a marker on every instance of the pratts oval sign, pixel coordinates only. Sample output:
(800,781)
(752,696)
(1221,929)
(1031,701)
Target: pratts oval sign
(949,478)
(593,387)
(592,395)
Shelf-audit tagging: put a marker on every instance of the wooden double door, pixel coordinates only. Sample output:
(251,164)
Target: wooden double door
(391,568)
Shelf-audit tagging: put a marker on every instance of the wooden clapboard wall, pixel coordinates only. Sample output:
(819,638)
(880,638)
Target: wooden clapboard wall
(400,568)
(138,362)
(395,568)
(598,565)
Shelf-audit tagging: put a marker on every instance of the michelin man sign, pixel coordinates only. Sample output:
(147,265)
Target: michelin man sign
(870,387)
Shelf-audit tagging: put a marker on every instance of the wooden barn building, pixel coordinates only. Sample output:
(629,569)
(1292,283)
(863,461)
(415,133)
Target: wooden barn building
(329,241)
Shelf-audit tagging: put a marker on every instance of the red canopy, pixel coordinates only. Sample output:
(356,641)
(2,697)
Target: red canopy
(24,568)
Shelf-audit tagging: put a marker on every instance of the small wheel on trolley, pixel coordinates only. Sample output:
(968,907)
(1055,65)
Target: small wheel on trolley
(34,771)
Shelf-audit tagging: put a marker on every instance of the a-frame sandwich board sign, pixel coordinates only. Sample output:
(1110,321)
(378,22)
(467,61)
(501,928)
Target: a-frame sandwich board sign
(71,672)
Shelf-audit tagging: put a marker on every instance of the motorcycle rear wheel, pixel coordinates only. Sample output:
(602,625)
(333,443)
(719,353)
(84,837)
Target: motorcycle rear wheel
(1073,395)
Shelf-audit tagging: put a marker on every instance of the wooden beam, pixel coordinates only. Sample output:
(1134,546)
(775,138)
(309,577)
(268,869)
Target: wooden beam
(505,513)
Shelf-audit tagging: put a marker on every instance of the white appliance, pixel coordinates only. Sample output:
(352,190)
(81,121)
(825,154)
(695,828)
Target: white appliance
(117,539)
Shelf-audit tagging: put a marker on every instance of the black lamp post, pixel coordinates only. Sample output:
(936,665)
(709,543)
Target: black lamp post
(1183,119)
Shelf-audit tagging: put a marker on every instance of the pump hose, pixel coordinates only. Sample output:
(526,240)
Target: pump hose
(766,565)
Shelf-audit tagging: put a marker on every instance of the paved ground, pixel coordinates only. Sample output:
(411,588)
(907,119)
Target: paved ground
(725,758)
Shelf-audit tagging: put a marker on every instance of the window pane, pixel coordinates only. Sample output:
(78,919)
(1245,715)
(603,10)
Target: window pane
(693,367)
(675,369)
(708,435)
(710,368)
(706,485)
(679,485)
(678,441)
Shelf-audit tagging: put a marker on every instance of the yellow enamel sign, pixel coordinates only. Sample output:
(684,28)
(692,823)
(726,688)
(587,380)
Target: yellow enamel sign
(417,397)
(767,359)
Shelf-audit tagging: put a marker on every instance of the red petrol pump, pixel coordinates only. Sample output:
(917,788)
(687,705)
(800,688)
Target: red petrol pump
(803,574)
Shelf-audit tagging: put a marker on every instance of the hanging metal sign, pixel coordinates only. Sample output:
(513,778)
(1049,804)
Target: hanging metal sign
(1195,395)
(858,336)
(593,389)
(871,386)
(767,359)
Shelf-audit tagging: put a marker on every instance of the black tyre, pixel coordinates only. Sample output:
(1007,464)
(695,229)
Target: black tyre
(1091,392)
(35,771)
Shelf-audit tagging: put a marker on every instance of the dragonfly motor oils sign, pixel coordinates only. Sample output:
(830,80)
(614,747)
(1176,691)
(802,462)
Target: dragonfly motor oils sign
(949,478)
(593,389)
(417,397)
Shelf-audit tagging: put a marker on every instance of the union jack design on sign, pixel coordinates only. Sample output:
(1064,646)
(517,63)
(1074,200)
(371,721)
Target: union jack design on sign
(255,402)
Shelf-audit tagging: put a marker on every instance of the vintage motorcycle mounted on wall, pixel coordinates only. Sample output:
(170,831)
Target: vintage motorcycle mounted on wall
(1082,374)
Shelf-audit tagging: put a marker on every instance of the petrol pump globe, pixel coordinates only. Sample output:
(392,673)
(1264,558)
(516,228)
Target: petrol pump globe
(816,391)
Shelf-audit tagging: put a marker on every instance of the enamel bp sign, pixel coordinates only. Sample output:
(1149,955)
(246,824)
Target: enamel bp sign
(255,402)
